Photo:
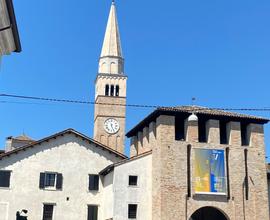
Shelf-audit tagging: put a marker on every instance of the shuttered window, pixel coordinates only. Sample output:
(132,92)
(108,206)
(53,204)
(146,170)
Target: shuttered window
(47,212)
(51,180)
(132,211)
(5,178)
(93,182)
(92,212)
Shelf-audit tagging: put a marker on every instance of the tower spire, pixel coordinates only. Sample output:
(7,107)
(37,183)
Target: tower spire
(112,43)
(111,58)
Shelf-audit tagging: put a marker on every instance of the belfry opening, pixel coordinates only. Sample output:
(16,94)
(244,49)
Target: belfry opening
(208,213)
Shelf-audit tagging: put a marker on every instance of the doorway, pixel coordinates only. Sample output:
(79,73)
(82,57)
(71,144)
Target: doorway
(208,213)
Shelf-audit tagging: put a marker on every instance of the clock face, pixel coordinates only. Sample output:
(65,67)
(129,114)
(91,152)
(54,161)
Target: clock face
(111,126)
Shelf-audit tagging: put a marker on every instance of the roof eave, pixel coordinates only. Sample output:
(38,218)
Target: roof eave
(159,111)
(14,26)
(7,154)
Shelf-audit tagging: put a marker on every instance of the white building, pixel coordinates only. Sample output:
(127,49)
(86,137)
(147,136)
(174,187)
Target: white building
(59,177)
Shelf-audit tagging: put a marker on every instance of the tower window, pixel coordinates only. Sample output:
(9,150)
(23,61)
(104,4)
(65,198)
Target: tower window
(179,128)
(107,88)
(202,130)
(117,90)
(244,135)
(223,132)
(112,90)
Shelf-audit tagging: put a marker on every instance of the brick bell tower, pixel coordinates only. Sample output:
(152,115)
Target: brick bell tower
(110,91)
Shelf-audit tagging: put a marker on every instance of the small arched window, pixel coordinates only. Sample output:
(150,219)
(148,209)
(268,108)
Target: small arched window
(112,90)
(107,88)
(117,90)
(113,67)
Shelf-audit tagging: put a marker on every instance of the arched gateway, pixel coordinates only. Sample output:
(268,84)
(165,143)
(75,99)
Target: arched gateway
(208,213)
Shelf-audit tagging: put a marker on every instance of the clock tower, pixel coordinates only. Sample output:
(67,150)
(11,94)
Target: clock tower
(110,91)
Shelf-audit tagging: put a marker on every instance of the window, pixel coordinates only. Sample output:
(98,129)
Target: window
(133,180)
(132,211)
(202,130)
(49,180)
(47,212)
(5,178)
(179,128)
(223,132)
(107,88)
(112,90)
(93,182)
(117,90)
(92,212)
(244,135)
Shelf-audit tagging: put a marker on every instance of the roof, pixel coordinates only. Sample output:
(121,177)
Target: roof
(212,113)
(111,167)
(14,26)
(68,131)
(23,137)
(112,44)
(8,22)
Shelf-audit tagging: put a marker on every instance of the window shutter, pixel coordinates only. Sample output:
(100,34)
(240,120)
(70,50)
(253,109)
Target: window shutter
(92,212)
(93,182)
(59,181)
(96,182)
(4,178)
(42,181)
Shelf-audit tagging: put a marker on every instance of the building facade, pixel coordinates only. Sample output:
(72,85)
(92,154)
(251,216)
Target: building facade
(55,178)
(206,164)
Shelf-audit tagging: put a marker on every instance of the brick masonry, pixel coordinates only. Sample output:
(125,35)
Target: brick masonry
(169,171)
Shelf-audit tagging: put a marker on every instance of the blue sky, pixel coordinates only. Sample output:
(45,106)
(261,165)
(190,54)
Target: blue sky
(216,51)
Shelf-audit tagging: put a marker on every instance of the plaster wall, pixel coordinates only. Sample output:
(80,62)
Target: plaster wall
(140,195)
(72,156)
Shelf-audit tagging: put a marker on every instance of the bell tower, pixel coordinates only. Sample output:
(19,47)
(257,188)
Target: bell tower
(110,91)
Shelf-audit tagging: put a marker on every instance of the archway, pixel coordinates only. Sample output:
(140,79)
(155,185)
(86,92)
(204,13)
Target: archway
(208,213)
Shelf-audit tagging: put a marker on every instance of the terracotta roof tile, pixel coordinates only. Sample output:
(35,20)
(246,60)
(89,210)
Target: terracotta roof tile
(37,143)
(200,111)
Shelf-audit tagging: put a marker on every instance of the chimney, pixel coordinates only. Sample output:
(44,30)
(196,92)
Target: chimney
(17,142)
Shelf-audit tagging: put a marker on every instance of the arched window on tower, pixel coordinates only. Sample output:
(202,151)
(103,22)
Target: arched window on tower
(113,67)
(107,88)
(112,90)
(117,90)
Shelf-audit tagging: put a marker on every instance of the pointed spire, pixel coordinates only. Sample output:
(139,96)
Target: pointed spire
(112,43)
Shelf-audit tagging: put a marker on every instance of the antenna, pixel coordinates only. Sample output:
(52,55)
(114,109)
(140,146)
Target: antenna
(193,100)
